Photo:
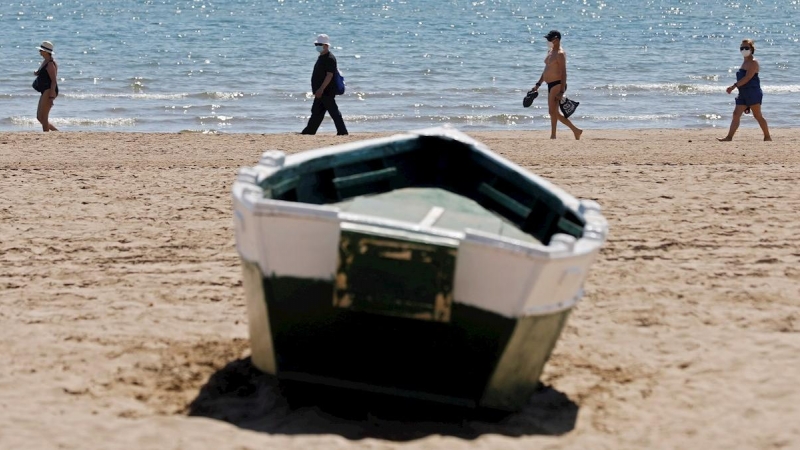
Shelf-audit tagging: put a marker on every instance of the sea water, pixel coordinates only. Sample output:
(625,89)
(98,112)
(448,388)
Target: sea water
(245,65)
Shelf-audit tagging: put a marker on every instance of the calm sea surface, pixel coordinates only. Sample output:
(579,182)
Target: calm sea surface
(244,66)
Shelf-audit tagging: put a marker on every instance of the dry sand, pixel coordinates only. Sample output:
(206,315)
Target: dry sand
(120,298)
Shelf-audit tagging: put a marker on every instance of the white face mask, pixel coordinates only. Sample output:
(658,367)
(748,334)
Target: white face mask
(549,45)
(745,53)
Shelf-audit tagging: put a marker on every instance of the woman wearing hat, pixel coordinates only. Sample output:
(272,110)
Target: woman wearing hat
(46,83)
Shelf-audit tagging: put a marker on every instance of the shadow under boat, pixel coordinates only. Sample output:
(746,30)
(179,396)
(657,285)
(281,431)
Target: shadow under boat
(244,396)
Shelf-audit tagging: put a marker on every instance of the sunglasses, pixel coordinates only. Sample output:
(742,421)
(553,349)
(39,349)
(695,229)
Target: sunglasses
(744,48)
(318,45)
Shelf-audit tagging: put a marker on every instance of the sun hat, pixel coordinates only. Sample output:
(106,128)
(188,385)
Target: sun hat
(323,39)
(46,46)
(553,34)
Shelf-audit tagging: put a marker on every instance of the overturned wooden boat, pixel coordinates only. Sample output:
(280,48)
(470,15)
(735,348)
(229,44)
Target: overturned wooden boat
(421,265)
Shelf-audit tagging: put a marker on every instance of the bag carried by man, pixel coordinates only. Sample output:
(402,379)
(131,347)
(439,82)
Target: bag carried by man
(568,106)
(338,83)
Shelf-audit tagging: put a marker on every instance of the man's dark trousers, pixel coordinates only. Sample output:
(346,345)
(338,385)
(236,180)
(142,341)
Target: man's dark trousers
(318,109)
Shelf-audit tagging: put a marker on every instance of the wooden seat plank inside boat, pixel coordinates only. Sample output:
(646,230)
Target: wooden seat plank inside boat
(415,205)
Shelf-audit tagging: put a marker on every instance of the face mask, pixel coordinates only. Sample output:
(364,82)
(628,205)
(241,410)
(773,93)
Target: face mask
(320,48)
(745,53)
(549,45)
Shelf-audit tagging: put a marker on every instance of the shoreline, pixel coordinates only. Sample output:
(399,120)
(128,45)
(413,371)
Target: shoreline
(745,125)
(121,297)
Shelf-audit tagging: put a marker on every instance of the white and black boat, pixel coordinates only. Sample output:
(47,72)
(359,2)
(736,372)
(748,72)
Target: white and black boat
(421,265)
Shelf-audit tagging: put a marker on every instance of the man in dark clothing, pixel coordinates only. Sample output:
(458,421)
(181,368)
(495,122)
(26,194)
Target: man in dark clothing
(323,87)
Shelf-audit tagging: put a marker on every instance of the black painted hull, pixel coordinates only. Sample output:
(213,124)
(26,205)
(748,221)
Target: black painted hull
(478,358)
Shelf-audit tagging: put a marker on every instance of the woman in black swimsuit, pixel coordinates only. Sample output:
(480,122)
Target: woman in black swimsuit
(47,84)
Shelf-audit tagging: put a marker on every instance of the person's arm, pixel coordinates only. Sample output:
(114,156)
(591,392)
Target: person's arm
(752,70)
(325,82)
(563,59)
(541,78)
(53,72)
(36,72)
(329,64)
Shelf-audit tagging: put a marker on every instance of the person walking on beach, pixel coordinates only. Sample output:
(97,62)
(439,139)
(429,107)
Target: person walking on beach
(46,83)
(750,94)
(555,75)
(323,87)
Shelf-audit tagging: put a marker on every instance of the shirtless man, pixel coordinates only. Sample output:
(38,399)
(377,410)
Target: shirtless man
(555,75)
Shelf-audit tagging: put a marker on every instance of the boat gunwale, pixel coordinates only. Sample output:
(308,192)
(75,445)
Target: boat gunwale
(286,171)
(555,250)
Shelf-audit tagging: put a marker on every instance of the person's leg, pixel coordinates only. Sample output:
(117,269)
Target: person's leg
(40,116)
(333,110)
(737,115)
(553,99)
(43,113)
(552,109)
(317,114)
(50,125)
(762,122)
(575,130)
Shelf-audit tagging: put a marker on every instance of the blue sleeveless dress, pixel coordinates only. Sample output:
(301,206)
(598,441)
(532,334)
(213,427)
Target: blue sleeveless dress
(749,94)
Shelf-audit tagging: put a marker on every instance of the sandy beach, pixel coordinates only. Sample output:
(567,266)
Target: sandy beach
(123,323)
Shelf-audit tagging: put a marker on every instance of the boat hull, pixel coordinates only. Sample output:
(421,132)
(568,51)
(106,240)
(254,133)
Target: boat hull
(476,359)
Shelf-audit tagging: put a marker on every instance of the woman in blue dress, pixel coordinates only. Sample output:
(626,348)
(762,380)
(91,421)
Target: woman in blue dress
(750,94)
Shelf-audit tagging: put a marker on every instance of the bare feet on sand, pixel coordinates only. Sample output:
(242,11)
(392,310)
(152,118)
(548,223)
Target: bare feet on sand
(727,139)
(577,133)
